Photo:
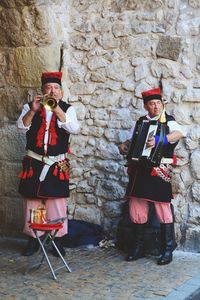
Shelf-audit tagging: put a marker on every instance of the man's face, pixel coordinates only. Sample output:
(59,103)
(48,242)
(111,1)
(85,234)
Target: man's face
(154,107)
(53,89)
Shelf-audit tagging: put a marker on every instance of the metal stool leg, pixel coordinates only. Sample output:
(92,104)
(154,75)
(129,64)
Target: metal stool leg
(62,258)
(46,256)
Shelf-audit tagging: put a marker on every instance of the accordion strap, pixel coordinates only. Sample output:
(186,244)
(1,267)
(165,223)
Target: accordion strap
(157,155)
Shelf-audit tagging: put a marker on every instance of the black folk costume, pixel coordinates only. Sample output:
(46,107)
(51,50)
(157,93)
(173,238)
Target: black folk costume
(44,179)
(153,183)
(149,183)
(56,181)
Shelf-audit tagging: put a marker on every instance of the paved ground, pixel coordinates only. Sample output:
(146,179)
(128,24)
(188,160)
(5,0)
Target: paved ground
(98,274)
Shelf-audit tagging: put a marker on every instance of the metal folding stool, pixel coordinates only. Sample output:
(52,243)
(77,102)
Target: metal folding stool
(48,229)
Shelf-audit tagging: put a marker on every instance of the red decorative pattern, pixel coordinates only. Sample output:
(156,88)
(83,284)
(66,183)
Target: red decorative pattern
(41,131)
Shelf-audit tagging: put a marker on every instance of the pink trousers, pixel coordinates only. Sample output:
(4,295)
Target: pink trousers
(139,208)
(56,208)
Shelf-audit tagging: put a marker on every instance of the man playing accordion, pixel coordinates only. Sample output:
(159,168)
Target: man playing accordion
(149,177)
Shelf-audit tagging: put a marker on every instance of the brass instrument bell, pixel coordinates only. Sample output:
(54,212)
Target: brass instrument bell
(49,102)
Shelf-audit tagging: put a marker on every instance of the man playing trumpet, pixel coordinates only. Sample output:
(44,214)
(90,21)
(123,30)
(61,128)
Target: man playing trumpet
(45,173)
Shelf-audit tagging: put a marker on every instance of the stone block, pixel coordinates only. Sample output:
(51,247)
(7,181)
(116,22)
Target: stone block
(119,70)
(88,214)
(110,190)
(107,150)
(11,214)
(113,209)
(194,3)
(169,47)
(9,179)
(81,42)
(80,88)
(192,237)
(12,143)
(21,27)
(96,62)
(195,164)
(108,41)
(31,62)
(132,45)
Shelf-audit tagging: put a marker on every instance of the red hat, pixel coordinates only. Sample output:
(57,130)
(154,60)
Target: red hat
(51,77)
(151,94)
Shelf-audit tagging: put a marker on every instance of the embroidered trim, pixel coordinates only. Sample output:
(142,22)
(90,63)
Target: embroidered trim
(41,131)
(163,171)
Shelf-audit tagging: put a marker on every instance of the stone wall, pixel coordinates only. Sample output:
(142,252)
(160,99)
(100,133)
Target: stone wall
(112,50)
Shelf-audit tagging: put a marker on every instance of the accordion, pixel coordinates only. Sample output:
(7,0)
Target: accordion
(138,149)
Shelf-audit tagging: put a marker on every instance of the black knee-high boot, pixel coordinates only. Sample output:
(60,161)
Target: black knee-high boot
(168,243)
(162,235)
(137,249)
(162,238)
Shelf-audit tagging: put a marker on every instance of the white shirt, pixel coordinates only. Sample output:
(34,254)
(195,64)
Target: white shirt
(173,126)
(71,124)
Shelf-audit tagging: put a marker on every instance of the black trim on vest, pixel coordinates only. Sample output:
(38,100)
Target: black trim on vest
(62,135)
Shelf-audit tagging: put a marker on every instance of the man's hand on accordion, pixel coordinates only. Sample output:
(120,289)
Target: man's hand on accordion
(151,143)
(124,147)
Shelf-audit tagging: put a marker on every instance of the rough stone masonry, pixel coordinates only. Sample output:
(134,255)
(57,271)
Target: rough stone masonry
(112,50)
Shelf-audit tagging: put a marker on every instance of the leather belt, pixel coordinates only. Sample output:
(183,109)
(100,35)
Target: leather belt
(47,160)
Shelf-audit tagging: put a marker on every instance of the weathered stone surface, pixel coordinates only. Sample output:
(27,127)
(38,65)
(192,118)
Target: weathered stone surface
(121,5)
(31,61)
(119,70)
(95,63)
(24,29)
(107,41)
(192,239)
(195,164)
(104,99)
(10,137)
(169,47)
(194,3)
(99,75)
(109,190)
(82,42)
(88,214)
(76,72)
(106,150)
(120,29)
(194,213)
(9,172)
(113,209)
(12,214)
(187,25)
(191,95)
(131,46)
(165,67)
(196,191)
(82,88)
(107,166)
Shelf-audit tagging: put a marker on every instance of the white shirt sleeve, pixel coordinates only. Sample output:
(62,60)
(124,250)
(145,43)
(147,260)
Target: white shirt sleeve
(71,124)
(20,124)
(131,131)
(174,126)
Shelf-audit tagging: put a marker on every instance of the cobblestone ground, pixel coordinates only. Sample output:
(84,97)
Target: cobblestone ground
(97,274)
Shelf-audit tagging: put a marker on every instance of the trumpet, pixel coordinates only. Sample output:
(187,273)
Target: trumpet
(49,102)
